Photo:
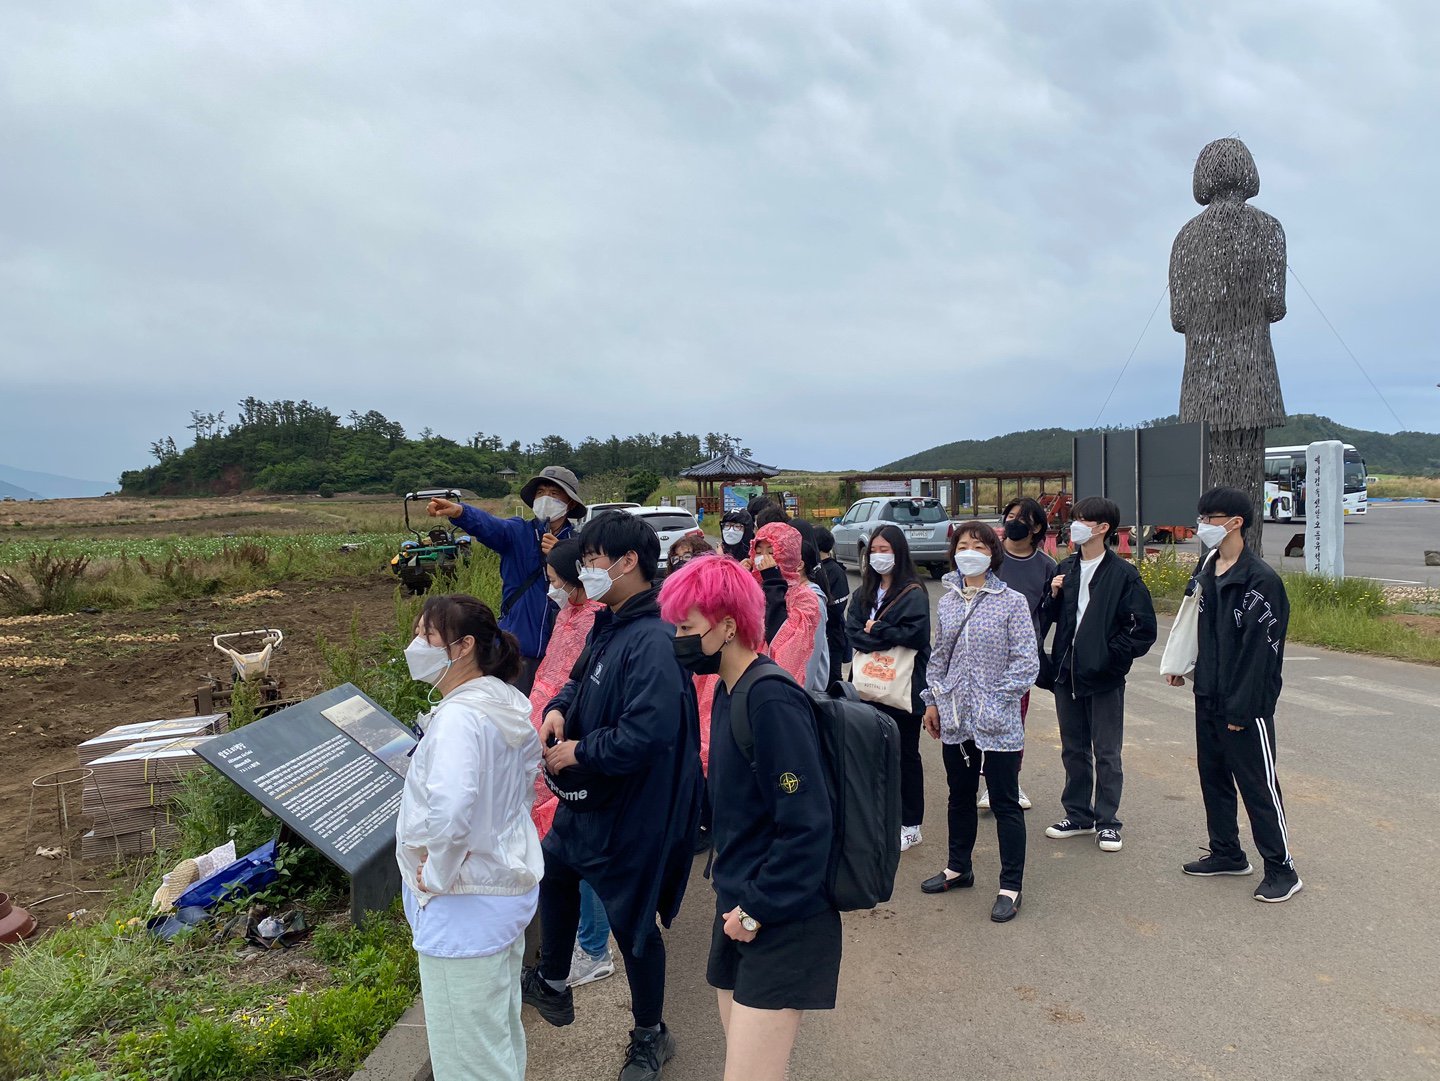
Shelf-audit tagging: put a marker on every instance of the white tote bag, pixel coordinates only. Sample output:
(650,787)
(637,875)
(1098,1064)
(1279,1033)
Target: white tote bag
(884,677)
(1182,648)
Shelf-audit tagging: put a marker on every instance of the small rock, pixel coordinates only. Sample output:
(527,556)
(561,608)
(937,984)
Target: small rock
(1432,559)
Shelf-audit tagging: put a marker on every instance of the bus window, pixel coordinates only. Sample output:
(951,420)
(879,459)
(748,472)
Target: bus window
(1354,473)
(1277,471)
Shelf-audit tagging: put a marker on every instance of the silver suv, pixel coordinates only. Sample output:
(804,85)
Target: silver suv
(924,522)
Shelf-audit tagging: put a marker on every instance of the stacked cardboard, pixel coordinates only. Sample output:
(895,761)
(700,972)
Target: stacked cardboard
(130,795)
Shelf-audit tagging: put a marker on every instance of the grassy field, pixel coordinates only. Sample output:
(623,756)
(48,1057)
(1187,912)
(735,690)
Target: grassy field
(1395,487)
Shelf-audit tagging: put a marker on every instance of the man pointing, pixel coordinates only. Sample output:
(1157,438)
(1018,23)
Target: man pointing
(553,495)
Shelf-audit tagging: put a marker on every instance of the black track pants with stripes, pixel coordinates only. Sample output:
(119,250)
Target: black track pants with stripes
(1243,760)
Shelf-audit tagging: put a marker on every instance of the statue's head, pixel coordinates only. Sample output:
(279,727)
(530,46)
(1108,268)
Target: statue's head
(1225,167)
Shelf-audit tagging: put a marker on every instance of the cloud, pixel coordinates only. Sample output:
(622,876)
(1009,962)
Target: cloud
(847,231)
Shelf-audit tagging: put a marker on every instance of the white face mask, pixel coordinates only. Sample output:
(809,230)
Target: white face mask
(427,663)
(1210,535)
(970,563)
(547,508)
(559,595)
(1080,533)
(597,581)
(882,562)
(732,534)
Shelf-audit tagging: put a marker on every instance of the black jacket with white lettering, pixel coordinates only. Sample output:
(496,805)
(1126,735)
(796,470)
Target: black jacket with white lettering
(1244,614)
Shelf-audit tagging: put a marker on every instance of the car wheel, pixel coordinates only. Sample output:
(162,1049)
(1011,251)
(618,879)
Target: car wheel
(937,571)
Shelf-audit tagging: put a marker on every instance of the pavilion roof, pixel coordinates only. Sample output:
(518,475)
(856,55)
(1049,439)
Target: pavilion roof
(728,467)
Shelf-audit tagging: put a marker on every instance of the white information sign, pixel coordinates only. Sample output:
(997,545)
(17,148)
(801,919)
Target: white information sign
(1325,508)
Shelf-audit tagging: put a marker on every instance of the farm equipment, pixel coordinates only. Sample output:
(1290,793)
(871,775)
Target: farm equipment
(433,554)
(253,667)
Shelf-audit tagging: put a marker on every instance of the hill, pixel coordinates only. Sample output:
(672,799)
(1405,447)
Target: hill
(14,491)
(27,484)
(286,446)
(1406,453)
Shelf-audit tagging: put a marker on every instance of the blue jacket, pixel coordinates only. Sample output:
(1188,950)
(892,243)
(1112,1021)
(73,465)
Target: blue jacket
(632,712)
(517,542)
(773,822)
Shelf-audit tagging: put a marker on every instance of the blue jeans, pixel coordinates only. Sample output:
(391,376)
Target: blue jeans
(594,936)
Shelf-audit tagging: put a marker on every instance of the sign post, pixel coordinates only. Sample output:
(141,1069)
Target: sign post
(331,768)
(1325,508)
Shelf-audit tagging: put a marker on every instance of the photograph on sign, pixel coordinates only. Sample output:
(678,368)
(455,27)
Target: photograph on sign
(374,730)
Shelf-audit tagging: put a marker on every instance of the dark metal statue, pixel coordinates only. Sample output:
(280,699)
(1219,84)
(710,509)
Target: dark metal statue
(1227,285)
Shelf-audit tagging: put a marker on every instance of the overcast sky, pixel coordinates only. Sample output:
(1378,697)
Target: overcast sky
(843,231)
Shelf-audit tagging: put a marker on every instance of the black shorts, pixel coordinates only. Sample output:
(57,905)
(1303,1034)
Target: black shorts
(789,966)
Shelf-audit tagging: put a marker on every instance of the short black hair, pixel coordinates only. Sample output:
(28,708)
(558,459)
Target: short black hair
(1231,502)
(760,502)
(985,534)
(616,532)
(824,540)
(562,560)
(1031,513)
(1096,508)
(771,514)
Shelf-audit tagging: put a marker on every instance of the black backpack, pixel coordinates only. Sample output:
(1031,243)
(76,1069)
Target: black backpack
(860,746)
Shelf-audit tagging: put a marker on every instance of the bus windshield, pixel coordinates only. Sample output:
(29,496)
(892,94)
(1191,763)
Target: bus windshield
(1354,473)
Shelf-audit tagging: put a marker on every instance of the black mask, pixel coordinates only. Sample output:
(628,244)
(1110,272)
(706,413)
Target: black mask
(690,654)
(1017,529)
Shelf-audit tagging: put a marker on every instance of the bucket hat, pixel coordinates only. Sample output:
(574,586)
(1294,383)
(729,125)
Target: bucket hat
(559,476)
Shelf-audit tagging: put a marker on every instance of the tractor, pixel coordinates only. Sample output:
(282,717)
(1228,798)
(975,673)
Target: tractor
(436,553)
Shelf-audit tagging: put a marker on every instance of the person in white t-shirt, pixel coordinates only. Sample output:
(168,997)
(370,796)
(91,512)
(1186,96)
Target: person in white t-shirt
(1104,620)
(467,847)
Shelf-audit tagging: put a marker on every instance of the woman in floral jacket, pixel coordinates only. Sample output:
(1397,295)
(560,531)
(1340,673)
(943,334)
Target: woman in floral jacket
(983,661)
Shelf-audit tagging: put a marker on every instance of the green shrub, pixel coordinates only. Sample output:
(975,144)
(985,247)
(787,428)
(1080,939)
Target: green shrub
(326,491)
(1165,576)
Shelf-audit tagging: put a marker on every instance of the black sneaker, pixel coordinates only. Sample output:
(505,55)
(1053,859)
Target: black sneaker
(1067,828)
(1275,888)
(647,1055)
(1211,864)
(1108,840)
(557,1007)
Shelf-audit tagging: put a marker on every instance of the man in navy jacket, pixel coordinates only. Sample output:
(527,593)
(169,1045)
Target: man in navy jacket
(622,751)
(522,544)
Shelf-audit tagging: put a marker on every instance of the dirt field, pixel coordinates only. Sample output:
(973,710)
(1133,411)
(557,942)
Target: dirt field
(133,666)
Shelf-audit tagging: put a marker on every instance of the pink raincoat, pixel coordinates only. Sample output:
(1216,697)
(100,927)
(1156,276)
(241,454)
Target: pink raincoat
(795,640)
(567,642)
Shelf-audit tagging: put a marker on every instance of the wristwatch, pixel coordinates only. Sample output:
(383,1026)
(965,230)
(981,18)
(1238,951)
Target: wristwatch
(747,921)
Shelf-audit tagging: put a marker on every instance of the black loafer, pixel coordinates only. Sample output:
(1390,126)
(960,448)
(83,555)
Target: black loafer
(943,883)
(1005,909)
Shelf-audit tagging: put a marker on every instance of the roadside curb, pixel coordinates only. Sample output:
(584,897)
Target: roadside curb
(403,1054)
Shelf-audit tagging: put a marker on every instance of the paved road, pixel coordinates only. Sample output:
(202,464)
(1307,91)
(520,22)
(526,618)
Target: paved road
(1118,966)
(1388,543)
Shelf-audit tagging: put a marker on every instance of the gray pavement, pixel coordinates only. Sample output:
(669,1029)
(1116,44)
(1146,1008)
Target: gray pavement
(1118,966)
(1387,544)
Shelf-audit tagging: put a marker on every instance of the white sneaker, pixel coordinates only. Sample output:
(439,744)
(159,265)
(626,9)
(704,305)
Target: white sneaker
(984,801)
(909,837)
(586,969)
(1024,801)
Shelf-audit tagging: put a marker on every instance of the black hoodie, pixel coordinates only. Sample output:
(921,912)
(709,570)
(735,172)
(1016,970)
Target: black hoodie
(632,709)
(739,551)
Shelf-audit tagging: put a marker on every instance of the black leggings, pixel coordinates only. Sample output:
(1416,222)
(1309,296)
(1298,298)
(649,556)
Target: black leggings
(560,920)
(1002,778)
(912,773)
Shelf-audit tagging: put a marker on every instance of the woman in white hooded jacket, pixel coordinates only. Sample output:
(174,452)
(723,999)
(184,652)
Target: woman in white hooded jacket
(467,847)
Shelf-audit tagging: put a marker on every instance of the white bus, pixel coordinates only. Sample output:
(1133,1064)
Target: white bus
(1285,483)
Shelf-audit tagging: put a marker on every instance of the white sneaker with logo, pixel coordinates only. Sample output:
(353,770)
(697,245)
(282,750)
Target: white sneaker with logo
(1025,803)
(909,837)
(586,969)
(983,803)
